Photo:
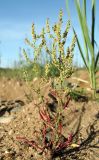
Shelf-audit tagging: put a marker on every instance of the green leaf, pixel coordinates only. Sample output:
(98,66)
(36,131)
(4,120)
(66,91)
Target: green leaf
(80,49)
(96,61)
(80,15)
(67,8)
(93,23)
(84,8)
(87,37)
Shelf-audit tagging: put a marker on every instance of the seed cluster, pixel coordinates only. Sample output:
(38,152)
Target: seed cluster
(60,58)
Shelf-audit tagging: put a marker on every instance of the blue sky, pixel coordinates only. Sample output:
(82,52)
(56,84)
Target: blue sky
(16,17)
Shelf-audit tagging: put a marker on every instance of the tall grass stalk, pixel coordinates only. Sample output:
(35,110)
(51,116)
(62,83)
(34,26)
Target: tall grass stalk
(88,55)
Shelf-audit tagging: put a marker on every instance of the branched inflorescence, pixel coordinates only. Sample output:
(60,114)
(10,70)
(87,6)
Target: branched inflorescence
(61,59)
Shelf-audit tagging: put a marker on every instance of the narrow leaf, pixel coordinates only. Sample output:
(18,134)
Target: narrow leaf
(96,61)
(80,15)
(80,49)
(93,23)
(87,37)
(67,8)
(84,8)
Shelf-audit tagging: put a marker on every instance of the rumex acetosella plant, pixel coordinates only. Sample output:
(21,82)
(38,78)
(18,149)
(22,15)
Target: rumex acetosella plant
(90,58)
(51,113)
(58,56)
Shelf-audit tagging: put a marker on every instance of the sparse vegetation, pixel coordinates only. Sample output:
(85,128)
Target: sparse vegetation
(51,113)
(10,73)
(47,110)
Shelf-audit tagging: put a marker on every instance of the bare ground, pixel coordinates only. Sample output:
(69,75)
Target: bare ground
(80,118)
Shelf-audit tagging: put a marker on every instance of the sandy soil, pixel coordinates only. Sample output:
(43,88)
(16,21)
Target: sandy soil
(80,118)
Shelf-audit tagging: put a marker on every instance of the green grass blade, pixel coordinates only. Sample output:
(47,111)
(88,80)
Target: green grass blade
(89,42)
(84,8)
(97,55)
(97,59)
(77,3)
(93,22)
(88,55)
(80,15)
(67,8)
(80,49)
(84,14)
(85,33)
